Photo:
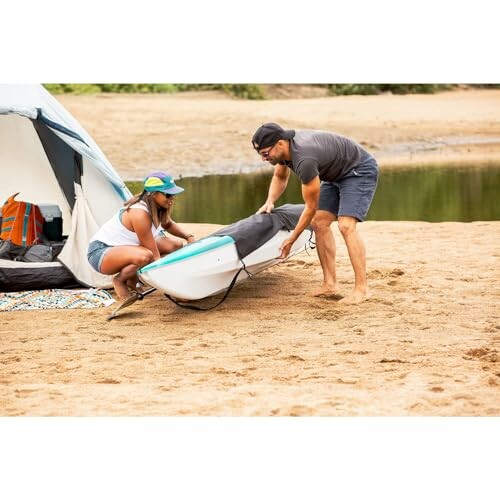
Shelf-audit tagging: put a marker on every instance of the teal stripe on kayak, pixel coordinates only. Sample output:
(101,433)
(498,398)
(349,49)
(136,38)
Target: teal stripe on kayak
(191,250)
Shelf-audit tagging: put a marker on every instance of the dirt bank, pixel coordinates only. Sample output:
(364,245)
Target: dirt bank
(198,133)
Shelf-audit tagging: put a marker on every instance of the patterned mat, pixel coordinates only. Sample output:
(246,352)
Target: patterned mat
(54,299)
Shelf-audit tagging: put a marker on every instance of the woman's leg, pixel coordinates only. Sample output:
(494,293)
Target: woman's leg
(124,261)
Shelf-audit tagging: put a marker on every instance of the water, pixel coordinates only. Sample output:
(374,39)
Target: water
(428,194)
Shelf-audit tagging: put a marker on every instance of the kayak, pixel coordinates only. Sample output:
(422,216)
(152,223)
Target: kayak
(208,266)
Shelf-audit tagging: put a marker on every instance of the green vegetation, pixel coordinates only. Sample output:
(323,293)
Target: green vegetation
(251,90)
(245,91)
(72,88)
(95,88)
(398,88)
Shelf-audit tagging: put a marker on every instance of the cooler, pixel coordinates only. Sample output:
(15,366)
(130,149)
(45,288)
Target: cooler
(52,227)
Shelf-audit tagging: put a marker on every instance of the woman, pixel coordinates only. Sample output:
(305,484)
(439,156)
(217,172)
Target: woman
(134,236)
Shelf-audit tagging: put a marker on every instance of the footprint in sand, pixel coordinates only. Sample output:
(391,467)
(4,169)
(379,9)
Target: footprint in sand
(436,389)
(385,302)
(375,274)
(393,273)
(108,381)
(396,272)
(293,357)
(299,410)
(482,354)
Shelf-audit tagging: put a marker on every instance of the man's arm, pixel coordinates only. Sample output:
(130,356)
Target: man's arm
(278,185)
(310,193)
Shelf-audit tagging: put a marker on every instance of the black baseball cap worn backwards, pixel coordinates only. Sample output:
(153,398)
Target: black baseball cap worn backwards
(269,134)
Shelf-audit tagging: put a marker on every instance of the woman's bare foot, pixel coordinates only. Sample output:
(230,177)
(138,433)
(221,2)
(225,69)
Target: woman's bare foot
(121,288)
(134,285)
(325,291)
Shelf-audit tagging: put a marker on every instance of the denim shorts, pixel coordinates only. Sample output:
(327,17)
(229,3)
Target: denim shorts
(353,194)
(96,252)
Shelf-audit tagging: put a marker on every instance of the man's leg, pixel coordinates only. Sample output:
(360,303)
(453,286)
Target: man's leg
(328,207)
(356,195)
(357,255)
(325,245)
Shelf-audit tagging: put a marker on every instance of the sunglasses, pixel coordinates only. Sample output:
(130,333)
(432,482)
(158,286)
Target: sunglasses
(265,154)
(168,196)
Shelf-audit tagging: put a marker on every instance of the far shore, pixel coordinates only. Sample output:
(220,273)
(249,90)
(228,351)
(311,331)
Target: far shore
(202,133)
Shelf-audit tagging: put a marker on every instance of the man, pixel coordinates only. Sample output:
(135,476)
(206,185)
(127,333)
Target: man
(338,179)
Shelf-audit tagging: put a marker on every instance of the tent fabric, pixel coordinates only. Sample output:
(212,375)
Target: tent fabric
(48,156)
(251,233)
(56,126)
(25,168)
(18,276)
(65,162)
(30,100)
(84,227)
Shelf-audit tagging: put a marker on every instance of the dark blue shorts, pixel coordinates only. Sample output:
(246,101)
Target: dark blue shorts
(96,252)
(352,195)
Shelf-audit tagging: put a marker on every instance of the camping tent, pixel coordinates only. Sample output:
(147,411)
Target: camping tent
(48,157)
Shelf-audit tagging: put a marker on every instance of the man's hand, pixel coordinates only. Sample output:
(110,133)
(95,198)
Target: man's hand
(266,208)
(286,247)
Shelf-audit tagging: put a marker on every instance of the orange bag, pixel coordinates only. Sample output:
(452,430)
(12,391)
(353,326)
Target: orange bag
(22,222)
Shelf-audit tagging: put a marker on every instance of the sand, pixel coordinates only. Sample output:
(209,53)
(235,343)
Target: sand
(426,343)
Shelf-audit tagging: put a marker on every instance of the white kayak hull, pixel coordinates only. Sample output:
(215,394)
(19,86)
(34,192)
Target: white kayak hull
(208,266)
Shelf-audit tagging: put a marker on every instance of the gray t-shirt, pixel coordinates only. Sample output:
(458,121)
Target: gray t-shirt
(331,156)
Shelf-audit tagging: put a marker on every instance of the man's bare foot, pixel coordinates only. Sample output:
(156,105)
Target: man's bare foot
(325,291)
(355,297)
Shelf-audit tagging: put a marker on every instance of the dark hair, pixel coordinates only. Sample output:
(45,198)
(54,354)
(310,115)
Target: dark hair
(159,215)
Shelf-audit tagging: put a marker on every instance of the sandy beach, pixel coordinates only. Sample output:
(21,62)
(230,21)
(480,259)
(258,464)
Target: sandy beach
(426,343)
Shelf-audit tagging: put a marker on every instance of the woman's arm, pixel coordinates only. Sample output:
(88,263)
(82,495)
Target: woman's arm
(176,230)
(141,225)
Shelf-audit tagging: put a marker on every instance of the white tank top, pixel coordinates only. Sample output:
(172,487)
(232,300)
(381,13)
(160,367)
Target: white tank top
(114,233)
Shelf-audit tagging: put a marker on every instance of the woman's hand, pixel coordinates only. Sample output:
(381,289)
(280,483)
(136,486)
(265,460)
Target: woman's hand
(190,238)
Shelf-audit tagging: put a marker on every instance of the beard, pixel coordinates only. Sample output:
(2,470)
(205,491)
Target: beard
(275,159)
